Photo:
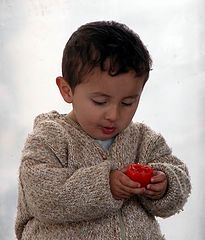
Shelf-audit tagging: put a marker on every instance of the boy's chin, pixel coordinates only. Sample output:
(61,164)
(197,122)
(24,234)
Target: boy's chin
(104,138)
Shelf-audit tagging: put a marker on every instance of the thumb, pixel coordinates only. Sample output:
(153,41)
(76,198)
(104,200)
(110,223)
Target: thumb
(124,169)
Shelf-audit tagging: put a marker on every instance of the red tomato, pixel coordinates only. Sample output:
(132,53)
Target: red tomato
(140,173)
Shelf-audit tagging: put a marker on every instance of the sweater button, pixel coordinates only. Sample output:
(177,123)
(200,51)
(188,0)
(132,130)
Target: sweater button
(104,157)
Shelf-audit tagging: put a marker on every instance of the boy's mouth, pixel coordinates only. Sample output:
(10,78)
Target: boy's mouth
(108,130)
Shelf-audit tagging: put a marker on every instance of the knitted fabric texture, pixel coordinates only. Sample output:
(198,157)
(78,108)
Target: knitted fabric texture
(64,190)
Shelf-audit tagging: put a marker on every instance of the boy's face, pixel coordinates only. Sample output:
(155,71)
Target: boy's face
(104,105)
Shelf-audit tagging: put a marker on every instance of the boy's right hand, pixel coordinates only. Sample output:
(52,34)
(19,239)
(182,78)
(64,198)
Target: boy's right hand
(122,187)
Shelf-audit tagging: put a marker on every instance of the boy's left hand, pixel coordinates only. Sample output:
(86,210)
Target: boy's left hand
(158,186)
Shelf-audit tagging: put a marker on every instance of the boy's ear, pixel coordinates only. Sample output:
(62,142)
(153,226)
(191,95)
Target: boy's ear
(65,89)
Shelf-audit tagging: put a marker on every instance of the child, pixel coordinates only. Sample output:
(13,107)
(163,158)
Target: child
(72,182)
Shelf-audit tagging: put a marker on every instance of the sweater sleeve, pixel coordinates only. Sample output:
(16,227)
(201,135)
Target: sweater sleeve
(159,156)
(55,193)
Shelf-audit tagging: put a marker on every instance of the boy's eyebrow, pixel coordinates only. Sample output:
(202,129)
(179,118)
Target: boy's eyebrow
(108,96)
(133,96)
(99,94)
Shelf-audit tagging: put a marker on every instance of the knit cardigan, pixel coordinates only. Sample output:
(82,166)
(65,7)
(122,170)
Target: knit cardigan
(64,190)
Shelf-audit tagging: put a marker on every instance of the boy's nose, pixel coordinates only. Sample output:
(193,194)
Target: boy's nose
(112,113)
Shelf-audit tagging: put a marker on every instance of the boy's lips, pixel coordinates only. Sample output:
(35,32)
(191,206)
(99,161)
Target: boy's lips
(108,130)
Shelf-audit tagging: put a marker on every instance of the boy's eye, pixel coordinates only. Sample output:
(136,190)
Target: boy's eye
(98,102)
(127,104)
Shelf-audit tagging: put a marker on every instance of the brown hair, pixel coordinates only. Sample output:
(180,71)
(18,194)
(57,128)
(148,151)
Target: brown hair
(109,45)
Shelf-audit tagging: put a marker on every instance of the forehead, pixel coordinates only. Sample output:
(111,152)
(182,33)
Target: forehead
(100,81)
(98,75)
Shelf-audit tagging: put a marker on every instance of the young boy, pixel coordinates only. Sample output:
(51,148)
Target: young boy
(72,182)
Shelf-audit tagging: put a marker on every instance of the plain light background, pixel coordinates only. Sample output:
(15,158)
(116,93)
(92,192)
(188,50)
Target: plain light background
(32,37)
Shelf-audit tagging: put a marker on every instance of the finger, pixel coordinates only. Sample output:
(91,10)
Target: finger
(121,196)
(153,196)
(154,187)
(131,191)
(126,181)
(156,194)
(158,177)
(124,169)
(151,193)
(157,190)
(120,193)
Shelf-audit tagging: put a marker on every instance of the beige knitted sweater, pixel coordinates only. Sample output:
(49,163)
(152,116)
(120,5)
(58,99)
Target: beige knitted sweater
(64,190)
